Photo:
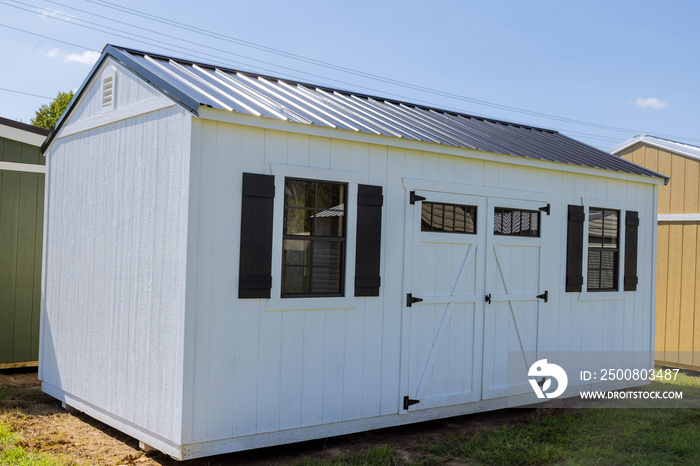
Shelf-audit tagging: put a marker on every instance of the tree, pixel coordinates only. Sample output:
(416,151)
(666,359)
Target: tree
(47,115)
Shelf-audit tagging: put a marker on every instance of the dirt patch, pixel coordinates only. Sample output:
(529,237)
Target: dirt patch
(45,426)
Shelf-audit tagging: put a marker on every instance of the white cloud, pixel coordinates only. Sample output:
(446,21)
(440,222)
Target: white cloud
(55,13)
(651,102)
(89,57)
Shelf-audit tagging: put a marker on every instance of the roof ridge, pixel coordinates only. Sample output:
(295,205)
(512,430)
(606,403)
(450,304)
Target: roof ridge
(332,89)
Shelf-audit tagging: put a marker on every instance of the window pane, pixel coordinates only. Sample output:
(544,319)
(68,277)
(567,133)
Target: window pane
(593,279)
(298,221)
(296,252)
(329,222)
(448,218)
(326,280)
(329,195)
(603,253)
(516,222)
(610,229)
(327,253)
(296,280)
(299,193)
(595,227)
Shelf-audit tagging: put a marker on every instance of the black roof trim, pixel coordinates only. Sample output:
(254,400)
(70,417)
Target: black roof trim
(23,126)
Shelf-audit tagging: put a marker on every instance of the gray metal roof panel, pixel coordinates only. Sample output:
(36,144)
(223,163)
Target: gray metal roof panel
(269,97)
(663,143)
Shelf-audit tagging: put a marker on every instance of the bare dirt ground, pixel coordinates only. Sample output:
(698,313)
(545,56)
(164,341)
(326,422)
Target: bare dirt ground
(46,427)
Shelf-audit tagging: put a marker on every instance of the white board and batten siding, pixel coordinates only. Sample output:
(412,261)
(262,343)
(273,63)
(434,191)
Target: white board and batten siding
(264,366)
(143,329)
(117,213)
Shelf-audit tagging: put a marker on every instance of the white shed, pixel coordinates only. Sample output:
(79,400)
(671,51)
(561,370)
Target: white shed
(235,261)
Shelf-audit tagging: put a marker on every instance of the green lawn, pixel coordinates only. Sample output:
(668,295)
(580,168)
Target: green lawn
(603,436)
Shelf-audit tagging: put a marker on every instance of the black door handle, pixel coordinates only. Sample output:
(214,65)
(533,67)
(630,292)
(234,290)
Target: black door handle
(487,298)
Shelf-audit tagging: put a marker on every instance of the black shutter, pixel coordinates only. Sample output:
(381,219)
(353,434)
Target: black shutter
(574,248)
(631,235)
(255,270)
(369,239)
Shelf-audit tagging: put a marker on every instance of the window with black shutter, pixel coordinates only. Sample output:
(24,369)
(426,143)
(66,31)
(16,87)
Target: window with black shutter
(313,246)
(603,249)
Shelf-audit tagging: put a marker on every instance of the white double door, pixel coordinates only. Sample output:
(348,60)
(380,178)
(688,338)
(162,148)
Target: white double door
(479,306)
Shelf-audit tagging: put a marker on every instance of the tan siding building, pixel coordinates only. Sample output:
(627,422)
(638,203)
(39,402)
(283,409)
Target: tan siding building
(678,247)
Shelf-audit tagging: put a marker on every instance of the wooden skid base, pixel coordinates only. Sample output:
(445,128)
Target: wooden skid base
(18,365)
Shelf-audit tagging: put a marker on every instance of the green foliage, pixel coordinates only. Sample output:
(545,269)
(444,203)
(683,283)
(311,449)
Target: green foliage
(47,115)
(7,437)
(586,436)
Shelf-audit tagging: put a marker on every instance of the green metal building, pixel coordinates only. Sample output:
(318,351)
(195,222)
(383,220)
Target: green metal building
(22,169)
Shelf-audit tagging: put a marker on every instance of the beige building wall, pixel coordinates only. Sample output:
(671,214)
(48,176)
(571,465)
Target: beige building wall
(678,255)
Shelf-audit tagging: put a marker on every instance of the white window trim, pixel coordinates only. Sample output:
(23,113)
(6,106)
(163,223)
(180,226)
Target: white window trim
(349,301)
(620,294)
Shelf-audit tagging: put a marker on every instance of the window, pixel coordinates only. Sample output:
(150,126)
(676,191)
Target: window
(448,218)
(516,222)
(603,249)
(313,256)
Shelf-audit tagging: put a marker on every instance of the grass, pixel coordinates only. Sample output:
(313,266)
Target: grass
(643,436)
(13,454)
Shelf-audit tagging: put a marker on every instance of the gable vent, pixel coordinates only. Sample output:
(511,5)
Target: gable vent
(108,89)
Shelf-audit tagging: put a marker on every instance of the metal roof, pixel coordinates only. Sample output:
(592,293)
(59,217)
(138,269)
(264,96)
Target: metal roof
(672,146)
(23,126)
(194,84)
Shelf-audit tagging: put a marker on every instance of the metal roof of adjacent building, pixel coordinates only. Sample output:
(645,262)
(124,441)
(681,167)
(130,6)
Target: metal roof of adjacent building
(193,85)
(672,146)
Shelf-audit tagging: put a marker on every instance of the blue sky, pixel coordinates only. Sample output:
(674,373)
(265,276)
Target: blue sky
(597,71)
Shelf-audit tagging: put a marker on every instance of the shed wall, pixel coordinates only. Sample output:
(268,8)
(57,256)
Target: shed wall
(114,280)
(250,370)
(21,225)
(678,255)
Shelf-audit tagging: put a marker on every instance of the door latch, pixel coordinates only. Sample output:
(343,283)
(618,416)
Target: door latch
(544,296)
(410,299)
(487,298)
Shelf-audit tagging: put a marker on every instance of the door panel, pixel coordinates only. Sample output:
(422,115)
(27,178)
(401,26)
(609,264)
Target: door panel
(442,334)
(513,279)
(456,348)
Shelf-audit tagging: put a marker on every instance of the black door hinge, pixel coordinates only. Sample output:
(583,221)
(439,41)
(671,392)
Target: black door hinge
(545,209)
(410,299)
(409,402)
(415,198)
(544,296)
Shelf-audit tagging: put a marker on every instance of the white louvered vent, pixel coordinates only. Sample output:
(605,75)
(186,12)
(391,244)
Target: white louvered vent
(109,78)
